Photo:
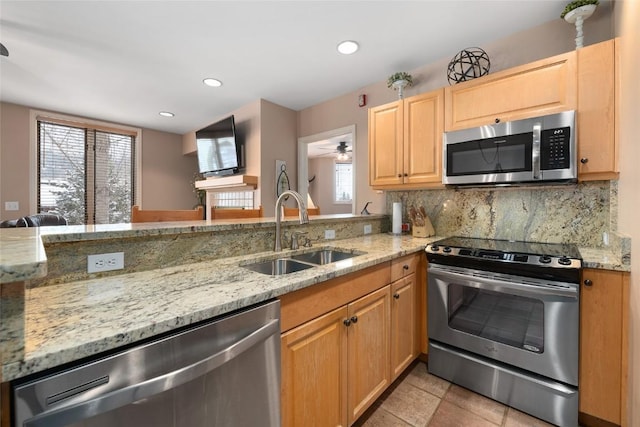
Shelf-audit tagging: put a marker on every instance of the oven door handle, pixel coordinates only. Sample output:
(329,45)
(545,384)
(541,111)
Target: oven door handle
(70,414)
(470,280)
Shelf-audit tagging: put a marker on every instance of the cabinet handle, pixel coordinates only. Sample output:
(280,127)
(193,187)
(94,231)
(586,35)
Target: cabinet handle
(406,174)
(497,120)
(399,175)
(584,160)
(347,322)
(588,282)
(354,319)
(406,266)
(396,295)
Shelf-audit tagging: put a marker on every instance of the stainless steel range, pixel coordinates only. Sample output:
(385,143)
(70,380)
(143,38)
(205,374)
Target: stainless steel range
(503,320)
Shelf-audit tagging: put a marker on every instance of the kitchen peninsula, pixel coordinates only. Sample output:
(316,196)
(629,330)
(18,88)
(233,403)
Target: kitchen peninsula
(176,274)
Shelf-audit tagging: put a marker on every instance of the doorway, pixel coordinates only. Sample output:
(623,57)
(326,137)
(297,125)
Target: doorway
(326,170)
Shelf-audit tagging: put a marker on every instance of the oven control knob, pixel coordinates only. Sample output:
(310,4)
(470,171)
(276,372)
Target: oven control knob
(564,261)
(446,249)
(545,259)
(434,248)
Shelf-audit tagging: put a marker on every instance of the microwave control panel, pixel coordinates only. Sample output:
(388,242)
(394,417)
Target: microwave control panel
(554,148)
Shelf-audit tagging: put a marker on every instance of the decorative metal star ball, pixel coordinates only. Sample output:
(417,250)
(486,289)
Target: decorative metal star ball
(468,64)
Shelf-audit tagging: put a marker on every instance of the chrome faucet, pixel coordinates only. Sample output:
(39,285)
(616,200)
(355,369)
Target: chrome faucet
(302,208)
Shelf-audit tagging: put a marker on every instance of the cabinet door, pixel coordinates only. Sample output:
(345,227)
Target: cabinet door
(602,344)
(314,380)
(368,342)
(385,144)
(538,88)
(423,127)
(404,346)
(596,112)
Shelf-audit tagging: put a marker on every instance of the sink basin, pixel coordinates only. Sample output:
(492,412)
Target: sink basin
(277,267)
(324,256)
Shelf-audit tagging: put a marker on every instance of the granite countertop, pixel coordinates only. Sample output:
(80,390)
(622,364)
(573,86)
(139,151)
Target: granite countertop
(72,320)
(67,322)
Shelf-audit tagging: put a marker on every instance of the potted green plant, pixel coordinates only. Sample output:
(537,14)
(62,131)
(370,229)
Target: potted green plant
(399,81)
(575,13)
(200,194)
(400,76)
(578,3)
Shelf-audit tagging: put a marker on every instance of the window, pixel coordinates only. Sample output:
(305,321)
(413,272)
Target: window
(343,183)
(85,173)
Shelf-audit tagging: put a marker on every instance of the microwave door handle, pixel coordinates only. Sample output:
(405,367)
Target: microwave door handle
(66,415)
(535,150)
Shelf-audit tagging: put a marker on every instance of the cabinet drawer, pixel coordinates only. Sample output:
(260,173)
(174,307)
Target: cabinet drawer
(404,266)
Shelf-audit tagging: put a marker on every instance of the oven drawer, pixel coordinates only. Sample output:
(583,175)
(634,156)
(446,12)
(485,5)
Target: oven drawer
(549,400)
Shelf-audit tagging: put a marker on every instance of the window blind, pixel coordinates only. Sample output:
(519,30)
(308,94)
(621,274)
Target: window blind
(85,174)
(344,182)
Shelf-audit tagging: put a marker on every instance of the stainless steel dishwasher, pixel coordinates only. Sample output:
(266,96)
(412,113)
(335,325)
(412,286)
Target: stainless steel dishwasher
(221,373)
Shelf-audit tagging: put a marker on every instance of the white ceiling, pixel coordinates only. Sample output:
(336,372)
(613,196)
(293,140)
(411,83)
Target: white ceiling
(124,61)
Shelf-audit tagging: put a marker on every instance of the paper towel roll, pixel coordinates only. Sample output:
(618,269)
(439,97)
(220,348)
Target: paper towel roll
(396,219)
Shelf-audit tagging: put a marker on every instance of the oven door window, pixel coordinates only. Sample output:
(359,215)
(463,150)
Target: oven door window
(507,154)
(500,317)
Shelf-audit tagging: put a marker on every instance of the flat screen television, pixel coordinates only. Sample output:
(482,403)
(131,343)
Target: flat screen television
(219,151)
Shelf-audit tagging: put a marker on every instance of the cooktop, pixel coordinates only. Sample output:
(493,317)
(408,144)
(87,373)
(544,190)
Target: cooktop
(549,260)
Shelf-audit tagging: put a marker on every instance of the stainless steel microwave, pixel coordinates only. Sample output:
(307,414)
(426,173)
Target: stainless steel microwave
(532,150)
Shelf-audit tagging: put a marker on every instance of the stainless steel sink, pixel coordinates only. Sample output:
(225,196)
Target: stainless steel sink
(277,267)
(324,256)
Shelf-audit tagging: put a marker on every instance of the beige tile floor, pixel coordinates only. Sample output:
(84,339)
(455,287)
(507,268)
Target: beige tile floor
(420,399)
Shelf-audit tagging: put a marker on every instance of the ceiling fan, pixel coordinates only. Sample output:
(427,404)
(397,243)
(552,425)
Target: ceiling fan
(342,149)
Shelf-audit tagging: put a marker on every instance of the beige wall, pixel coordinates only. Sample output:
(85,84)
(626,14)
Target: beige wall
(278,142)
(14,159)
(629,206)
(166,173)
(550,39)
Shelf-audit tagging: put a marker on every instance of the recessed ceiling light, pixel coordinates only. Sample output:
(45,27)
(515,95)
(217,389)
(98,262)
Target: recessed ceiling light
(166,114)
(348,47)
(212,82)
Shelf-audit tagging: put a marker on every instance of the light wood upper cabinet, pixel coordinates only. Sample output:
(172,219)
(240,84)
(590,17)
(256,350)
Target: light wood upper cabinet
(385,144)
(542,87)
(405,142)
(597,148)
(603,344)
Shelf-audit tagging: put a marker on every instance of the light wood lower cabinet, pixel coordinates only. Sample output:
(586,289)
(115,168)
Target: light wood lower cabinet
(603,346)
(335,366)
(346,340)
(368,372)
(404,325)
(314,372)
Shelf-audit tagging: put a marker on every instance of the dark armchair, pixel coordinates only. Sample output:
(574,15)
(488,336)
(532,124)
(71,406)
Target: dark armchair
(37,220)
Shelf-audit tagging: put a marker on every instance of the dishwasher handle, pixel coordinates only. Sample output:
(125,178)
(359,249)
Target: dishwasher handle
(66,415)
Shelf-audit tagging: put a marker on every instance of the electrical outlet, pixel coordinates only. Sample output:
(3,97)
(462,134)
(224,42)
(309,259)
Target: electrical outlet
(105,262)
(367,229)
(329,234)
(11,206)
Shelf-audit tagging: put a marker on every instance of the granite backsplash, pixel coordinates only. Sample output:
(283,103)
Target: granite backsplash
(584,213)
